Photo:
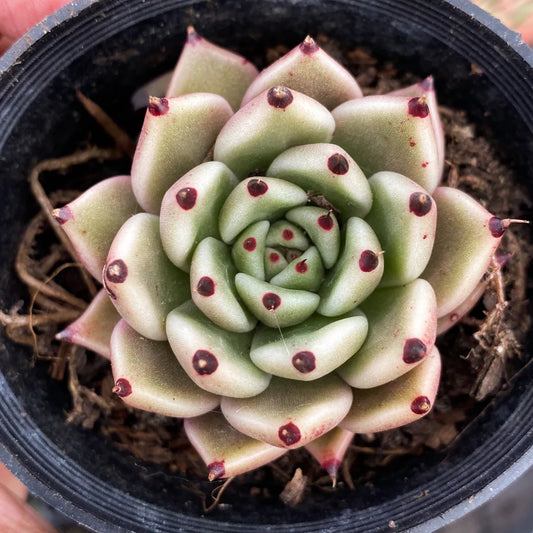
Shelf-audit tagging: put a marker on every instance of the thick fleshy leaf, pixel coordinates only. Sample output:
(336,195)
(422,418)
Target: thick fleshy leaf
(311,349)
(357,272)
(467,237)
(213,287)
(147,376)
(189,211)
(275,262)
(154,87)
(272,122)
(283,233)
(404,218)
(402,330)
(143,284)
(226,451)
(94,327)
(215,359)
(248,251)
(329,450)
(177,135)
(92,220)
(310,70)
(290,414)
(257,199)
(426,88)
(397,403)
(207,68)
(306,272)
(329,173)
(390,133)
(275,306)
(323,229)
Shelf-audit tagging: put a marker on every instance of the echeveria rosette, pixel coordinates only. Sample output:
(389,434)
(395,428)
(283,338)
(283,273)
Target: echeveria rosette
(259,285)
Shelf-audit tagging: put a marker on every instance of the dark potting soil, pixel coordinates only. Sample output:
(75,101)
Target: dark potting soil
(480,355)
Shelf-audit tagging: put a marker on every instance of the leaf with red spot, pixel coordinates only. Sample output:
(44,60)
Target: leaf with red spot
(148,376)
(272,122)
(283,233)
(464,245)
(310,70)
(311,349)
(402,329)
(207,68)
(329,171)
(290,414)
(92,220)
(217,360)
(166,149)
(141,281)
(189,210)
(212,269)
(275,262)
(398,402)
(248,250)
(225,451)
(384,132)
(94,327)
(306,272)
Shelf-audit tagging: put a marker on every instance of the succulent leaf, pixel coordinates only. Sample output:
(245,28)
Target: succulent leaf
(275,306)
(217,360)
(94,327)
(305,273)
(398,402)
(207,68)
(189,210)
(467,237)
(390,133)
(309,70)
(275,262)
(143,284)
(404,218)
(226,451)
(357,272)
(272,122)
(148,376)
(311,349)
(283,233)
(323,229)
(248,251)
(166,150)
(257,199)
(328,171)
(213,287)
(290,414)
(92,220)
(401,333)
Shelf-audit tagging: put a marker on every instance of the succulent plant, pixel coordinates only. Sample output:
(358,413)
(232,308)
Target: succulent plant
(277,266)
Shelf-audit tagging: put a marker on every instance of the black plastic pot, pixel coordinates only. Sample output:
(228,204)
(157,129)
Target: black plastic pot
(107,49)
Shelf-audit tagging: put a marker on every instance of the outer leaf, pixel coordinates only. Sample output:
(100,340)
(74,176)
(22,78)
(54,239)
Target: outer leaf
(310,70)
(147,376)
(213,287)
(467,237)
(143,284)
(189,211)
(272,122)
(326,170)
(205,67)
(290,414)
(404,218)
(390,133)
(397,403)
(92,220)
(166,148)
(94,327)
(226,451)
(215,359)
(311,349)
(402,330)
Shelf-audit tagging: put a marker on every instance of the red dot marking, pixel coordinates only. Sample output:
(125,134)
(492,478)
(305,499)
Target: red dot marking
(411,142)
(368,261)
(418,107)
(249,244)
(216,470)
(304,362)
(496,227)
(338,164)
(274,257)
(326,222)
(256,187)
(414,350)
(289,434)
(301,267)
(425,164)
(116,271)
(309,46)
(122,388)
(288,234)
(421,405)
(63,214)
(420,204)
(204,362)
(205,286)
(186,198)
(158,106)
(279,97)
(271,301)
